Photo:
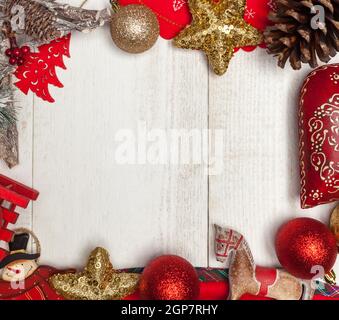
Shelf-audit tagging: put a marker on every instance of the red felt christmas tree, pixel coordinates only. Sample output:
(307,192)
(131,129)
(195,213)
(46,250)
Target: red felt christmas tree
(38,71)
(12,194)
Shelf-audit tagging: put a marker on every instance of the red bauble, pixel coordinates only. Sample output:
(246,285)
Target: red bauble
(21,61)
(13,61)
(8,52)
(304,243)
(25,50)
(169,278)
(16,52)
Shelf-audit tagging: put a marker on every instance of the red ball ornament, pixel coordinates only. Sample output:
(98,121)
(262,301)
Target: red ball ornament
(8,52)
(304,243)
(169,278)
(16,52)
(25,50)
(13,61)
(21,61)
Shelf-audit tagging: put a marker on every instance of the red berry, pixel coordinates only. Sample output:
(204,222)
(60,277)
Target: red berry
(16,52)
(8,52)
(21,61)
(25,50)
(13,61)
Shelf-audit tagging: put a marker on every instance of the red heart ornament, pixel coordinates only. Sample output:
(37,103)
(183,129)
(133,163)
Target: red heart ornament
(319,137)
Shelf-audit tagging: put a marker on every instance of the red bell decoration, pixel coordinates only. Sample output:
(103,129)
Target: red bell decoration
(169,278)
(304,243)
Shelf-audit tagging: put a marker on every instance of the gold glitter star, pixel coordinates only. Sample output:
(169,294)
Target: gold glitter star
(218,28)
(98,281)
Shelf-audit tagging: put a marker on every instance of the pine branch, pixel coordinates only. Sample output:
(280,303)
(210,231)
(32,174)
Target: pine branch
(8,114)
(8,128)
(5,70)
(7,111)
(9,151)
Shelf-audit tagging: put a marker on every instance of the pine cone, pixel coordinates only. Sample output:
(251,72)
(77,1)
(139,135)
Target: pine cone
(302,33)
(39,21)
(46,20)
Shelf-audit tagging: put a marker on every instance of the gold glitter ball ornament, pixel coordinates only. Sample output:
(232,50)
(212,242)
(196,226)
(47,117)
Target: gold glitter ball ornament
(134,28)
(98,281)
(217,28)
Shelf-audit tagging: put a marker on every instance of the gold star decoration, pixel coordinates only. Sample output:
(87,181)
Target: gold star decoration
(217,28)
(98,281)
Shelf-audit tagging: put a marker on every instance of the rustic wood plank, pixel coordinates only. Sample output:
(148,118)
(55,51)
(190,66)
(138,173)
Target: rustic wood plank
(256,105)
(87,199)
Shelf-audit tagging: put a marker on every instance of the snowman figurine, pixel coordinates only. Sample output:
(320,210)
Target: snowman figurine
(19,265)
(22,278)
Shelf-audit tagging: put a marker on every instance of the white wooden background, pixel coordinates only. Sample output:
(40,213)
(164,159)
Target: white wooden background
(141,211)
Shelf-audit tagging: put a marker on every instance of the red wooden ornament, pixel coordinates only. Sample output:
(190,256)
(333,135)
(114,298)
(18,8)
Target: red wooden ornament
(38,71)
(319,137)
(12,194)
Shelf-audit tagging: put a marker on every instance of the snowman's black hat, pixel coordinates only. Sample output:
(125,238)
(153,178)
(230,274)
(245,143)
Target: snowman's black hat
(17,248)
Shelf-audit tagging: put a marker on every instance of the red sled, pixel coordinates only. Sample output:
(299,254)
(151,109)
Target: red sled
(12,194)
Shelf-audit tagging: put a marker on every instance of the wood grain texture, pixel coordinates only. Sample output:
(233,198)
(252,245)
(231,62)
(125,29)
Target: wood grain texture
(256,103)
(87,199)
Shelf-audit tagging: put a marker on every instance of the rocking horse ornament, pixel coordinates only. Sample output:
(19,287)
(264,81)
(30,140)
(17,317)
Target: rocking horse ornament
(245,277)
